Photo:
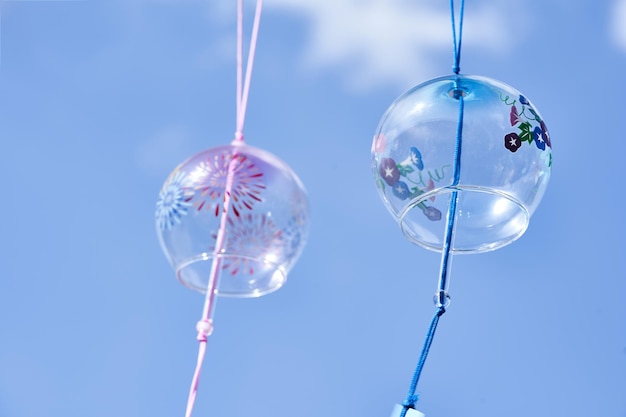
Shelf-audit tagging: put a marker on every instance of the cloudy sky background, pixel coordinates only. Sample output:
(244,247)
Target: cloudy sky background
(100,100)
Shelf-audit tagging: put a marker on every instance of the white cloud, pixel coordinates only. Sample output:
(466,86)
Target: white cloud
(618,23)
(396,41)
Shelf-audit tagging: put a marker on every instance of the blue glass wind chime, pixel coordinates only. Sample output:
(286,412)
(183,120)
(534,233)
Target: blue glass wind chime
(491,154)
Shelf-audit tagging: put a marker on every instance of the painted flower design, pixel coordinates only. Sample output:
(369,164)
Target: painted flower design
(174,201)
(401,190)
(546,134)
(389,171)
(430,187)
(512,142)
(530,127)
(210,180)
(251,236)
(416,158)
(538,137)
(514,116)
(432,213)
(414,180)
(523,100)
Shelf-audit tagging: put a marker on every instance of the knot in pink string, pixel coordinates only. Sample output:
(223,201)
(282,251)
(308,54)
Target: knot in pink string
(238,136)
(204,328)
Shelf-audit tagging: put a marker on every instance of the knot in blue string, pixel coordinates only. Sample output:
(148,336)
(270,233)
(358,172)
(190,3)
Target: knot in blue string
(410,401)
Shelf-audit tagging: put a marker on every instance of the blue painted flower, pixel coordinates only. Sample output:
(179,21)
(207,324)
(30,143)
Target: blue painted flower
(546,134)
(538,137)
(174,201)
(432,213)
(389,171)
(416,158)
(523,100)
(401,190)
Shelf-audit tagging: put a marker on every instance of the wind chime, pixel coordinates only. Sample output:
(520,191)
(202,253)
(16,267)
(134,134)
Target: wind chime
(461,162)
(232,220)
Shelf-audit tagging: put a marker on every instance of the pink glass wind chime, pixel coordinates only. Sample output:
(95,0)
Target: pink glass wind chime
(461,162)
(232,220)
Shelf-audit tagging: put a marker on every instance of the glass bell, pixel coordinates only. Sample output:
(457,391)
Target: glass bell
(505,162)
(265,220)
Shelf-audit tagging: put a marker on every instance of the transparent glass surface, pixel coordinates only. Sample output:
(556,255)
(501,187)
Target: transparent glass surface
(265,222)
(505,162)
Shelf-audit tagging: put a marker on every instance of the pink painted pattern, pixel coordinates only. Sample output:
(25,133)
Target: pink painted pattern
(250,234)
(210,183)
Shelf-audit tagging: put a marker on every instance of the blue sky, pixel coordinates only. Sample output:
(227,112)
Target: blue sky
(99,101)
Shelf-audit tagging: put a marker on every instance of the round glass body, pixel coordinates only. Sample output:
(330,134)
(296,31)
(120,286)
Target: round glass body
(504,164)
(237,209)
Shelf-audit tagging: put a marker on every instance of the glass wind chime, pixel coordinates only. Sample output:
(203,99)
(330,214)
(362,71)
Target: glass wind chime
(461,162)
(232,220)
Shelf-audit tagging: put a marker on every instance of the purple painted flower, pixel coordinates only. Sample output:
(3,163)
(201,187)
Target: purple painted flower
(514,116)
(389,171)
(538,137)
(512,142)
(416,158)
(401,190)
(429,187)
(432,213)
(546,135)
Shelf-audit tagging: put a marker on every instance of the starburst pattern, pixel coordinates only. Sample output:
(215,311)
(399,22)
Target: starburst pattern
(210,180)
(251,236)
(174,201)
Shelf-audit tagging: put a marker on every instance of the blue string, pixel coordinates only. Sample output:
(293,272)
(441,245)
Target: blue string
(412,397)
(442,294)
(447,245)
(457,45)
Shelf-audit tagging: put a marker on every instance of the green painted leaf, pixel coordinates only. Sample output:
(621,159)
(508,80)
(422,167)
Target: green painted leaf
(526,133)
(405,169)
(415,192)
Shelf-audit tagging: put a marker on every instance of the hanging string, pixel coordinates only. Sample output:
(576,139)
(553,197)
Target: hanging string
(205,324)
(243,88)
(457,45)
(442,297)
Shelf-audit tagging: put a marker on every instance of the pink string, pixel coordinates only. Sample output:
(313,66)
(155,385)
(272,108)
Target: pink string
(205,325)
(244,91)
